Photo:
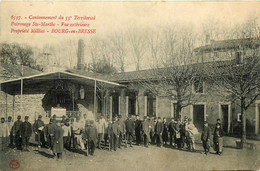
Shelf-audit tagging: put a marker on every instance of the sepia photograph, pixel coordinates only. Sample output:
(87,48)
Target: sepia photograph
(129,85)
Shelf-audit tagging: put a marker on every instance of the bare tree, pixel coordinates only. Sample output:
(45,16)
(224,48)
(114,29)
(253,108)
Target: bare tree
(119,49)
(137,44)
(239,78)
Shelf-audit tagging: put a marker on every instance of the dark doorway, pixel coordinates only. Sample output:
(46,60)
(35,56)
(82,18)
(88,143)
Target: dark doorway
(224,111)
(115,105)
(131,106)
(151,105)
(198,116)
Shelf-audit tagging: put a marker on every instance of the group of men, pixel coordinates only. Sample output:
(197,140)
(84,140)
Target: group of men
(17,132)
(86,135)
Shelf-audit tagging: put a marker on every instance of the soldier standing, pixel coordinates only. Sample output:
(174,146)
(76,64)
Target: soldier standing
(121,128)
(58,141)
(138,124)
(37,128)
(159,131)
(146,130)
(10,124)
(50,132)
(114,134)
(91,137)
(172,131)
(130,126)
(26,132)
(205,137)
(16,131)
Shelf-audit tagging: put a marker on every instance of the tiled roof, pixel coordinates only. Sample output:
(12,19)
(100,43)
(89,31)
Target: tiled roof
(232,43)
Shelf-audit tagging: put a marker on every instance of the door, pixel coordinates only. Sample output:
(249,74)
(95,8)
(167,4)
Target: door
(224,111)
(198,116)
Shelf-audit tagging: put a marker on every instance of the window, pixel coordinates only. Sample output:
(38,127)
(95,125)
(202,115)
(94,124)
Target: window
(198,86)
(238,57)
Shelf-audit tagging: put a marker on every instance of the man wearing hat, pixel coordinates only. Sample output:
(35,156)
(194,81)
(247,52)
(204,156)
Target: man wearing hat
(205,137)
(129,126)
(114,134)
(50,132)
(26,132)
(16,131)
(146,130)
(159,131)
(138,127)
(4,134)
(66,133)
(121,128)
(152,124)
(172,131)
(38,130)
(92,134)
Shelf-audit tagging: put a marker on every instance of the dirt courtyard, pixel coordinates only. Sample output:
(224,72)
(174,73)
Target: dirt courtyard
(136,158)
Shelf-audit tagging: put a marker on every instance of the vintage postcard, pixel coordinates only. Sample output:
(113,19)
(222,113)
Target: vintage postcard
(128,85)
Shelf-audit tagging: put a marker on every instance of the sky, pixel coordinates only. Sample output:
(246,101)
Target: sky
(116,16)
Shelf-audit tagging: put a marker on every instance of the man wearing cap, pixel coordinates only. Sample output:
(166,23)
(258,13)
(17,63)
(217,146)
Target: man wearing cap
(107,132)
(38,130)
(205,137)
(10,124)
(58,141)
(138,125)
(4,134)
(50,132)
(16,131)
(91,132)
(114,134)
(152,124)
(146,130)
(66,134)
(121,128)
(26,132)
(129,126)
(159,131)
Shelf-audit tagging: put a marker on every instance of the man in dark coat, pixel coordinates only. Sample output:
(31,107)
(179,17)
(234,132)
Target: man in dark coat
(145,131)
(177,129)
(159,131)
(205,137)
(50,132)
(91,138)
(138,124)
(172,131)
(130,126)
(165,131)
(107,133)
(121,128)
(10,124)
(114,135)
(58,141)
(17,133)
(37,128)
(26,132)
(218,139)
(152,124)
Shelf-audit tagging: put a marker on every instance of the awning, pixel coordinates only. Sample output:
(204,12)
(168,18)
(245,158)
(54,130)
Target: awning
(36,81)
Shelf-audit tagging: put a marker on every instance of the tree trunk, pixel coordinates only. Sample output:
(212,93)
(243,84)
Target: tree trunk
(243,115)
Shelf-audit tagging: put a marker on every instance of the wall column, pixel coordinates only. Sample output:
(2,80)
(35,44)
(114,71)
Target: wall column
(145,105)
(126,105)
(110,107)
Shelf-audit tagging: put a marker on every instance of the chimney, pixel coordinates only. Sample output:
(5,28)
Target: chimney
(207,40)
(80,64)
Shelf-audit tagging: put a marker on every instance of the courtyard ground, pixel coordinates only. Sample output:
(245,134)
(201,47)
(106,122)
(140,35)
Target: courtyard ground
(137,158)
